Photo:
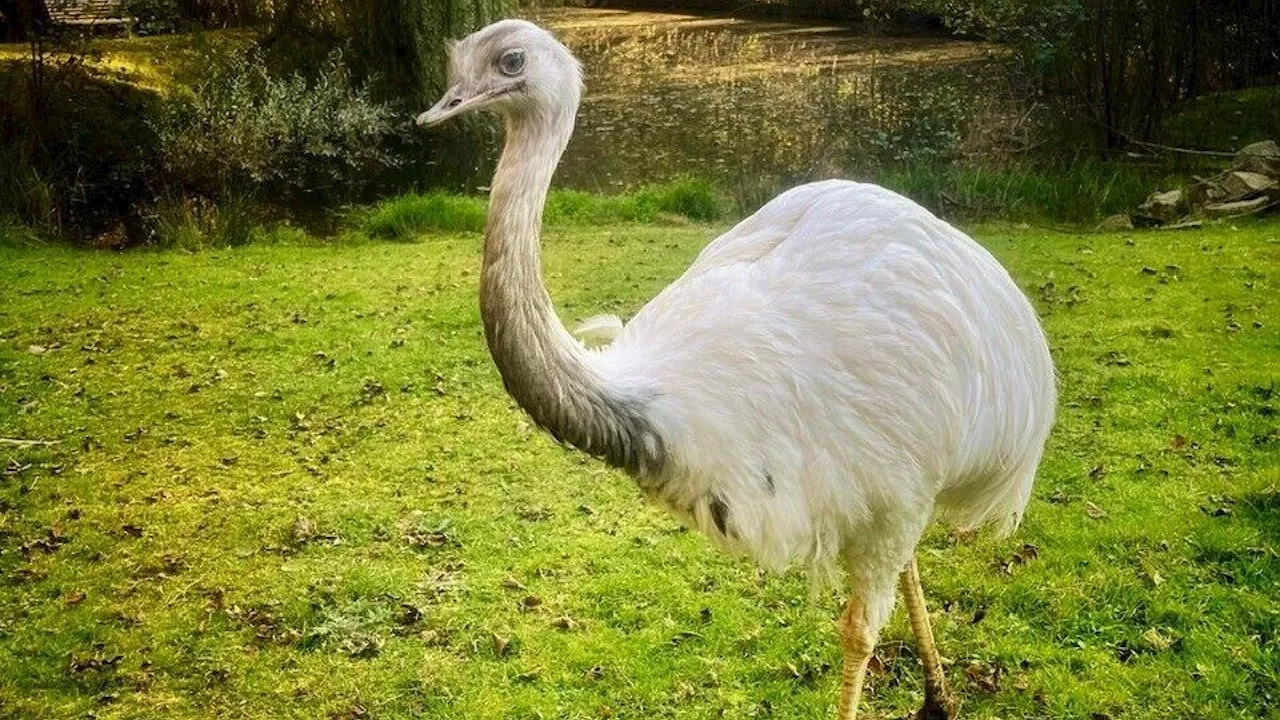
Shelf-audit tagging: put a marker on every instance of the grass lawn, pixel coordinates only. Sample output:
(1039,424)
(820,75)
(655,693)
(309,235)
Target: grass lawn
(285,482)
(159,63)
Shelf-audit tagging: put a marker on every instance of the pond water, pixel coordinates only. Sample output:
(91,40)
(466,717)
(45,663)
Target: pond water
(759,104)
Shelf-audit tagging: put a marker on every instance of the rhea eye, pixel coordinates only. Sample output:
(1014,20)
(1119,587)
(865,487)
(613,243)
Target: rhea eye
(512,62)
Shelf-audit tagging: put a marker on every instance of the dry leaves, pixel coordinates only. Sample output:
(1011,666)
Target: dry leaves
(565,623)
(501,645)
(985,676)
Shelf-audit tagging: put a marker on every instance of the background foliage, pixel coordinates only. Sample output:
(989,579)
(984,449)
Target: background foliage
(295,109)
(288,136)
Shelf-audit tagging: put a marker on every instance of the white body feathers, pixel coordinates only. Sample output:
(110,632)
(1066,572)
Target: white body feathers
(836,369)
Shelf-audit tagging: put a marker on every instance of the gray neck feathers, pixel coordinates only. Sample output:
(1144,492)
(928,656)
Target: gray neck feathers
(543,367)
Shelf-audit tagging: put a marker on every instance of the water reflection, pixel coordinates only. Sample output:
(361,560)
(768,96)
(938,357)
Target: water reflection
(759,105)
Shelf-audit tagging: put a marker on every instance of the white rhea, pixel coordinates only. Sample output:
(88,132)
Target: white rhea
(827,377)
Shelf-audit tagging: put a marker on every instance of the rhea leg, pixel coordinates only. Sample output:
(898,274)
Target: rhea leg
(858,642)
(938,704)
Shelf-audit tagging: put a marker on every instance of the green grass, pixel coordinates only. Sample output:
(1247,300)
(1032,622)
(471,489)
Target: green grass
(286,483)
(409,216)
(681,199)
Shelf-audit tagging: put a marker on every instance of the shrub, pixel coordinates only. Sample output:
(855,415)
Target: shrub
(286,139)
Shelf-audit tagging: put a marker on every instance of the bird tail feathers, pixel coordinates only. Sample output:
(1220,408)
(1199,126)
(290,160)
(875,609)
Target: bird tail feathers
(599,329)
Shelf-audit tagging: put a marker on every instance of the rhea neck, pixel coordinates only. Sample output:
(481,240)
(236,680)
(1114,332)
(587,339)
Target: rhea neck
(550,374)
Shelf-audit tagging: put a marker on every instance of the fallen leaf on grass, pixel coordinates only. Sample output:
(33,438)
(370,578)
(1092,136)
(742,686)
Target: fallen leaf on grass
(302,531)
(1021,556)
(565,623)
(408,615)
(986,677)
(1157,641)
(354,711)
(52,539)
(97,662)
(1025,554)
(1152,576)
(361,645)
(501,645)
(1094,511)
(533,514)
(427,538)
(1218,506)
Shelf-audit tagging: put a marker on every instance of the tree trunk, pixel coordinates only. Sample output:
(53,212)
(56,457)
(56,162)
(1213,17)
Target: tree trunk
(24,19)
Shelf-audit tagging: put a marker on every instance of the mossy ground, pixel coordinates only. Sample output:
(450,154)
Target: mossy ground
(286,483)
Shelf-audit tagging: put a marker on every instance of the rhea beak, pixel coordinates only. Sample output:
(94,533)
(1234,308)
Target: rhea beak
(454,102)
(457,101)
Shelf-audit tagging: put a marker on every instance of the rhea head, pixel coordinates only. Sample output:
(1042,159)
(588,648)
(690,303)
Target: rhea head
(513,68)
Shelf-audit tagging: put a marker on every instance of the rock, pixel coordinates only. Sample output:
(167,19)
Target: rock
(1241,184)
(1260,157)
(1205,190)
(1119,221)
(1264,148)
(1240,207)
(1165,206)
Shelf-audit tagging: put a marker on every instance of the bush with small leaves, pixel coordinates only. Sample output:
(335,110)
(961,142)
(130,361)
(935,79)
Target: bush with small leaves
(287,139)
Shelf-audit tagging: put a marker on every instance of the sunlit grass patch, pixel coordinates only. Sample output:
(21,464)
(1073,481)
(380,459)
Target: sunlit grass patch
(284,481)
